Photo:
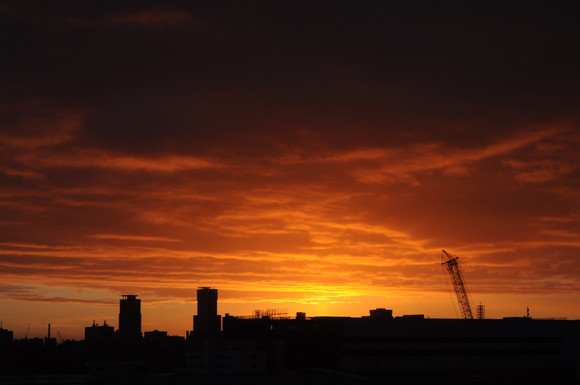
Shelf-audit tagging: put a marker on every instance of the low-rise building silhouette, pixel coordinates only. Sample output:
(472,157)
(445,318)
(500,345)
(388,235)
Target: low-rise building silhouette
(6,337)
(381,313)
(99,333)
(155,335)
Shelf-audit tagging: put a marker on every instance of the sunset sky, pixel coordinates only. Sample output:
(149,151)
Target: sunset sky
(304,155)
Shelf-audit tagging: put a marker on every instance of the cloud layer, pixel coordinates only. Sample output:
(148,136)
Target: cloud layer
(288,156)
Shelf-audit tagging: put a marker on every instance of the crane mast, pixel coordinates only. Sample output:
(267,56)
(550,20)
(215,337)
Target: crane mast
(458,284)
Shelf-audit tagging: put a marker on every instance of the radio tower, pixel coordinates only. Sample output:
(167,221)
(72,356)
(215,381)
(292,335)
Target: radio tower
(462,297)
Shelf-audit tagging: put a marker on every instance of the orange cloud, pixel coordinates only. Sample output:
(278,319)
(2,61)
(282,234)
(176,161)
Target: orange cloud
(403,163)
(104,159)
(133,238)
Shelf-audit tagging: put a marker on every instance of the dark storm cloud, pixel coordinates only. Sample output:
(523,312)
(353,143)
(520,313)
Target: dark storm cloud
(244,77)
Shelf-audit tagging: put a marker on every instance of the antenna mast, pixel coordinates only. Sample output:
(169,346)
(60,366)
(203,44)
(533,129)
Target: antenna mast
(462,297)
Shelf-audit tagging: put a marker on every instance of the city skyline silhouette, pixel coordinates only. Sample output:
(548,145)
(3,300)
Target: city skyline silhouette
(376,348)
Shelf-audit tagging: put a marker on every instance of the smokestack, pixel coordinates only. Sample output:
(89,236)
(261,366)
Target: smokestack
(48,330)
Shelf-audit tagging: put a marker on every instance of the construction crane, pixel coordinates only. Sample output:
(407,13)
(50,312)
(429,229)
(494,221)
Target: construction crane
(462,296)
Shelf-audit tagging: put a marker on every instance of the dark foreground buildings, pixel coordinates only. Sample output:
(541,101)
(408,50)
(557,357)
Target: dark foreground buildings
(273,348)
(380,348)
(435,350)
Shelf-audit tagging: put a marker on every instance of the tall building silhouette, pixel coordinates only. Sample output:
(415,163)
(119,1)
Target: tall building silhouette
(130,317)
(207,320)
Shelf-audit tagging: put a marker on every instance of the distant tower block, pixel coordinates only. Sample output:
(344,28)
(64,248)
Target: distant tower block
(130,317)
(480,311)
(207,320)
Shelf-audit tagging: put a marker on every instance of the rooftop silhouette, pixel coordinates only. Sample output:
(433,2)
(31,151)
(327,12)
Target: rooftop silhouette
(271,343)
